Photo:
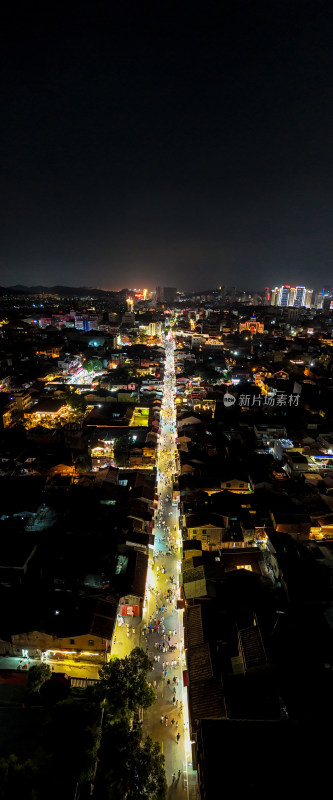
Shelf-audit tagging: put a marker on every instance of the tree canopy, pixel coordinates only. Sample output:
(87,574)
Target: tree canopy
(76,402)
(129,767)
(124,684)
(37,675)
(93,364)
(18,778)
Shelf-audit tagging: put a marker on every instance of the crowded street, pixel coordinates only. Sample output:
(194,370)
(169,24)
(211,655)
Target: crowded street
(161,629)
(167,720)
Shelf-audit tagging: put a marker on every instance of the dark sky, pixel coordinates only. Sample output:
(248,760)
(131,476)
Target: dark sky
(160,143)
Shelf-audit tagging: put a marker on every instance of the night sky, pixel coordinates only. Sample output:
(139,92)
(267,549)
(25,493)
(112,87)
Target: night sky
(160,143)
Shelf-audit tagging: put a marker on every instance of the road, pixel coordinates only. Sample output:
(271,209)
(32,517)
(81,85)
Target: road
(161,607)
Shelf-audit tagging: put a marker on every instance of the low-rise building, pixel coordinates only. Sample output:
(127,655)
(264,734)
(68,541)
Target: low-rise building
(85,629)
(48,412)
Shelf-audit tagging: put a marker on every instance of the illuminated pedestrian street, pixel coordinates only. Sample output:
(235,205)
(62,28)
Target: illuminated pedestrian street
(167,719)
(161,630)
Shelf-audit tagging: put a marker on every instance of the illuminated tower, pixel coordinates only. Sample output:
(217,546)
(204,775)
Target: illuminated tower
(284,295)
(299,296)
(292,296)
(308,298)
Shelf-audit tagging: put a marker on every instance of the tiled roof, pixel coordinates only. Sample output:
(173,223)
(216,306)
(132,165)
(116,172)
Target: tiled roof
(193,632)
(46,405)
(140,574)
(199,663)
(206,701)
(104,618)
(251,647)
(193,573)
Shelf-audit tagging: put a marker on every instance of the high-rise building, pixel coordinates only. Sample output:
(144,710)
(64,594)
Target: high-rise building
(327,302)
(292,295)
(284,295)
(223,292)
(318,300)
(308,298)
(299,299)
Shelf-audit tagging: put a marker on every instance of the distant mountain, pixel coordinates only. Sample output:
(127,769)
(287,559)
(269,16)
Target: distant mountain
(72,291)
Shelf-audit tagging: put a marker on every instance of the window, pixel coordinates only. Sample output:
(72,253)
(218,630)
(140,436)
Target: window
(72,641)
(91,642)
(228,484)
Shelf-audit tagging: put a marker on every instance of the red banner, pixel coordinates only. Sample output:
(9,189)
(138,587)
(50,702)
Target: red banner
(130,611)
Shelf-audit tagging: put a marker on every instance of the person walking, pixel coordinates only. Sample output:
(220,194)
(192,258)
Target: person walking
(173,777)
(177,737)
(162,719)
(166,720)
